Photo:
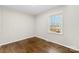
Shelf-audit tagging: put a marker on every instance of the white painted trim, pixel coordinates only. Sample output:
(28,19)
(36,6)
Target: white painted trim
(58,43)
(41,38)
(16,40)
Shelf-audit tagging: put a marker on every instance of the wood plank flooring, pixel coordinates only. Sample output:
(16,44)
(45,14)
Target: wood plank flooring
(35,45)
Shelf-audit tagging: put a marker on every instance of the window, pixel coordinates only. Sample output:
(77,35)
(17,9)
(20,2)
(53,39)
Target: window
(56,24)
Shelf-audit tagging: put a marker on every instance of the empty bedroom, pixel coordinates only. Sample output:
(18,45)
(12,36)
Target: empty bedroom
(39,28)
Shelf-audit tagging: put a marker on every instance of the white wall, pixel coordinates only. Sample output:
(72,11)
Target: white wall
(71,25)
(0,20)
(70,38)
(16,25)
(1,24)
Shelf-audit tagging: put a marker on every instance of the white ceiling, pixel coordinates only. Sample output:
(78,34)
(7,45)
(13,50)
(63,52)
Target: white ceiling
(31,9)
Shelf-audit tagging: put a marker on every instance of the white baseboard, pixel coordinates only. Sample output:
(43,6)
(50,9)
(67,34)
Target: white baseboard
(15,40)
(41,38)
(58,43)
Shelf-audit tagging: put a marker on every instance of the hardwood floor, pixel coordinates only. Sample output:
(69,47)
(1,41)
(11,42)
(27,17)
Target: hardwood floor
(35,45)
